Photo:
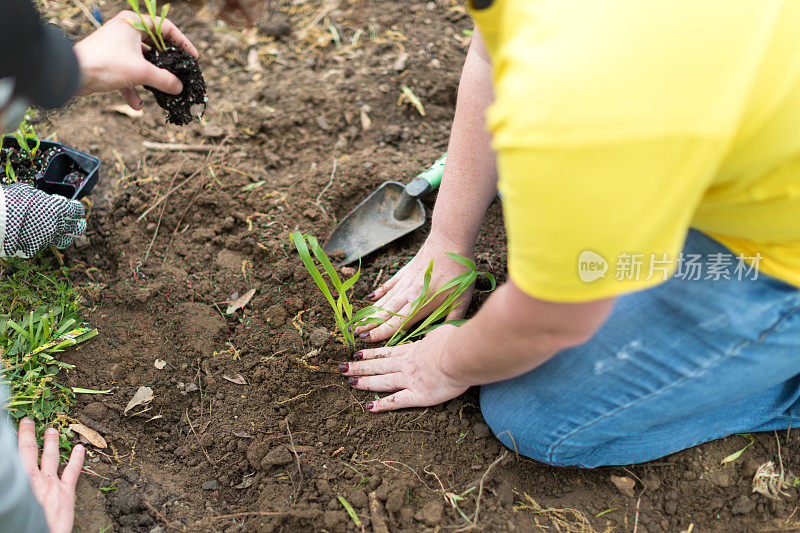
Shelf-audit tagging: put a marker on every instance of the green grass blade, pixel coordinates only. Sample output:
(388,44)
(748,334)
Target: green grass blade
(350,511)
(463,260)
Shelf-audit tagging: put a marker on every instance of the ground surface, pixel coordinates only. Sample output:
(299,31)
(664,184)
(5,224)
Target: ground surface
(172,235)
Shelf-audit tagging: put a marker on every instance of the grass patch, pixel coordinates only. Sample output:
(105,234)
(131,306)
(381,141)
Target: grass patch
(40,317)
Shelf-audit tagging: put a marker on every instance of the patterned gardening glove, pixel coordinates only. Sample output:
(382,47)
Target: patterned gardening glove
(31,220)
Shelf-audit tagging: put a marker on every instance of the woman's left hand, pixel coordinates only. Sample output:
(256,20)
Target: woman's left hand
(413,372)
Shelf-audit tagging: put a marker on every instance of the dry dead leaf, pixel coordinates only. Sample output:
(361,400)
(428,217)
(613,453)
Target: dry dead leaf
(125,109)
(143,395)
(236,378)
(89,434)
(160,364)
(243,434)
(240,302)
(366,122)
(624,484)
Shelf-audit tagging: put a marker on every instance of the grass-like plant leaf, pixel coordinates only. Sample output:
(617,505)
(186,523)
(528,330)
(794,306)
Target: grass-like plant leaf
(11,175)
(25,136)
(155,32)
(454,289)
(346,321)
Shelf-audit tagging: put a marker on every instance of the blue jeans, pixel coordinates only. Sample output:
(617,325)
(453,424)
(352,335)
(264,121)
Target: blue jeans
(674,366)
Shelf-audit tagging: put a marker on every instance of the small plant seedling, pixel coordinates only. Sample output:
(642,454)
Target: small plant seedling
(11,176)
(343,314)
(458,285)
(24,134)
(735,455)
(141,25)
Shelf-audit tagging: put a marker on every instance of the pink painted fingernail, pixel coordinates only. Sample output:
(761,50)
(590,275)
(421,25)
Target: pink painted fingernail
(353,381)
(343,368)
(369,405)
(370,296)
(358,356)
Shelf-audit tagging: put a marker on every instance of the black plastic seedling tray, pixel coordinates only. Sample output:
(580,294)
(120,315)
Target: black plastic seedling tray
(64,161)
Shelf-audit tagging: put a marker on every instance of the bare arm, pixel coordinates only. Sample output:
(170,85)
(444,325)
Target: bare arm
(468,186)
(512,334)
(470,176)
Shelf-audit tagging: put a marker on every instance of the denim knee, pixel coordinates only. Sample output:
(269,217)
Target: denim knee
(538,431)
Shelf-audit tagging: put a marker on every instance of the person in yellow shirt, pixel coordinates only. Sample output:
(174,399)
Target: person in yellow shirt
(648,159)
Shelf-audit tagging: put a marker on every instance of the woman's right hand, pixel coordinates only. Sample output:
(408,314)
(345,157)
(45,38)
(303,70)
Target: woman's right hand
(111,59)
(397,295)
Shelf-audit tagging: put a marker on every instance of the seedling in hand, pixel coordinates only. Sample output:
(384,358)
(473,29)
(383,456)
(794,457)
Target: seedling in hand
(141,25)
(343,314)
(458,285)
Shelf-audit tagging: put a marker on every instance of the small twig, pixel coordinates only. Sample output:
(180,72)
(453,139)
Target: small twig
(297,458)
(636,517)
(480,487)
(780,462)
(377,279)
(87,13)
(163,518)
(321,14)
(172,190)
(161,215)
(328,186)
(197,438)
(510,436)
(178,147)
(249,513)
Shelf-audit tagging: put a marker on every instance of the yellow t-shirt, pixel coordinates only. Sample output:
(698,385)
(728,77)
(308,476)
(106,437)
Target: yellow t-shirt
(619,124)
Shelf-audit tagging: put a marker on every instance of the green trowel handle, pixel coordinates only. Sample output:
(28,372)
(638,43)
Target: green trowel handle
(434,174)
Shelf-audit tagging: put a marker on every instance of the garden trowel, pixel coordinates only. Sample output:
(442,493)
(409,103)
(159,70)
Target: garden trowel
(393,210)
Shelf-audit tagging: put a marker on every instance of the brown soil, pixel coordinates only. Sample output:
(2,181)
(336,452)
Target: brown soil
(187,69)
(209,454)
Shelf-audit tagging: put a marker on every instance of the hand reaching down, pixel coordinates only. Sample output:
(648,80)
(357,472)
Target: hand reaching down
(56,495)
(398,294)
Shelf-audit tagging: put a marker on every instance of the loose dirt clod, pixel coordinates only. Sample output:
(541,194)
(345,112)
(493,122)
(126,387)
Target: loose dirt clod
(186,68)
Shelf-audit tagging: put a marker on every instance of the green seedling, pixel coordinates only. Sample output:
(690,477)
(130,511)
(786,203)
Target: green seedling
(453,290)
(344,317)
(25,135)
(735,455)
(11,176)
(350,511)
(141,25)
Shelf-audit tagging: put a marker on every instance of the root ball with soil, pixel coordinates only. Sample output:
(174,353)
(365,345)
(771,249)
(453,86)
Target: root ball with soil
(187,69)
